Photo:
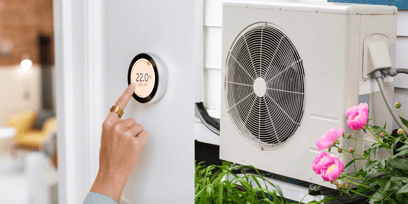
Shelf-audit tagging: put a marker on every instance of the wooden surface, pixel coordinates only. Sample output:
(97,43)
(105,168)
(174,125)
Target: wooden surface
(21,23)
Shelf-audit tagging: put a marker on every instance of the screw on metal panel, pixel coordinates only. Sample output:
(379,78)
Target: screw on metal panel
(246,6)
(394,12)
(280,8)
(262,148)
(316,11)
(299,125)
(311,178)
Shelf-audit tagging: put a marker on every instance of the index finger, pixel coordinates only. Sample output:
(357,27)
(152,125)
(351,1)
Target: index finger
(124,99)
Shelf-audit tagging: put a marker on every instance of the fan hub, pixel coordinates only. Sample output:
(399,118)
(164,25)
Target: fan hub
(260,87)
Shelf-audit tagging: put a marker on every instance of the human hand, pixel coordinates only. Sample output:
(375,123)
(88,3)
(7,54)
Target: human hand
(121,145)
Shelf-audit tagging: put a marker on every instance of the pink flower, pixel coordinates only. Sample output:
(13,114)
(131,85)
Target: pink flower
(332,169)
(357,116)
(328,139)
(319,161)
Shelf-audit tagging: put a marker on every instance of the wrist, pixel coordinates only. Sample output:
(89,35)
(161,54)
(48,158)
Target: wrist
(109,184)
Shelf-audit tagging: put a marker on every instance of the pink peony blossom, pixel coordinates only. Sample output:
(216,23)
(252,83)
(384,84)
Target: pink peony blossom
(332,169)
(329,138)
(319,161)
(357,116)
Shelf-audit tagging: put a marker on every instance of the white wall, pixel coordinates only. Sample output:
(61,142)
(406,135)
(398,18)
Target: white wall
(401,81)
(165,172)
(19,91)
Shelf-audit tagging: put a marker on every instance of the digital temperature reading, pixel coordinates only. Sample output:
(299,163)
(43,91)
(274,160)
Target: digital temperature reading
(143,75)
(149,73)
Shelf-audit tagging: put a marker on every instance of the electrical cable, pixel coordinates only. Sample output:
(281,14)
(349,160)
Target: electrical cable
(377,75)
(206,119)
(402,70)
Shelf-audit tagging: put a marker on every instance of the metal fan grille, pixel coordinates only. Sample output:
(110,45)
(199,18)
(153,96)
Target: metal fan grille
(263,51)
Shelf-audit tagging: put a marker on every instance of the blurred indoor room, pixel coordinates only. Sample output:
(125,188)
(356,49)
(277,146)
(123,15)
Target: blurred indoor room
(28,124)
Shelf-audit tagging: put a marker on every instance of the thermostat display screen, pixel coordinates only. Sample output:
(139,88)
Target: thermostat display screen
(143,76)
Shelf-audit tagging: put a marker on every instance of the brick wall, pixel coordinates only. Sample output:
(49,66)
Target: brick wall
(21,22)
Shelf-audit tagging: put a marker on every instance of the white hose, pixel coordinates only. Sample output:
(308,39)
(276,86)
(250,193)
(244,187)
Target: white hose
(389,106)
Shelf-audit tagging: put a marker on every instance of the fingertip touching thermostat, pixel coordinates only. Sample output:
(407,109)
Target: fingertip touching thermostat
(149,74)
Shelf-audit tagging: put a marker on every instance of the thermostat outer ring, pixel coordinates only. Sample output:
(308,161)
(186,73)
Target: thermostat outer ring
(160,73)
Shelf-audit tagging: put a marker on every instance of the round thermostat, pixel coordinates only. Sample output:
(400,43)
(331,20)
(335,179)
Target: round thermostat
(149,74)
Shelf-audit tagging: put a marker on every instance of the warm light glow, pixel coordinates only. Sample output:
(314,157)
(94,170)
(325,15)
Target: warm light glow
(26,64)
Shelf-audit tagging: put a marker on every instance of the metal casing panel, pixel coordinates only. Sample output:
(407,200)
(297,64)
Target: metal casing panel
(333,8)
(329,44)
(398,3)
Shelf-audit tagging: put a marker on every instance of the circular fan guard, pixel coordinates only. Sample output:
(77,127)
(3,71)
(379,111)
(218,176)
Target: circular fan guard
(264,51)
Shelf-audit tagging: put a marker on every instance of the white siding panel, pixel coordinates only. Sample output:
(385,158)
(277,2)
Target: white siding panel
(213,13)
(212,87)
(401,61)
(402,26)
(212,47)
(401,95)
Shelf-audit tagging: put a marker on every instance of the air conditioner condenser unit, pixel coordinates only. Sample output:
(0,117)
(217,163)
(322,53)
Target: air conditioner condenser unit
(290,71)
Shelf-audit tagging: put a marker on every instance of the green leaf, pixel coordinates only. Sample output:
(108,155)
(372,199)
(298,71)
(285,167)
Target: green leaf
(403,148)
(402,179)
(402,153)
(399,163)
(385,188)
(405,122)
(376,197)
(385,125)
(404,189)
(378,129)
(400,198)
(382,163)
(349,163)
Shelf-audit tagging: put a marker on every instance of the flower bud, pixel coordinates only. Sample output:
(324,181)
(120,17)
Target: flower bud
(339,150)
(339,186)
(351,149)
(336,183)
(397,104)
(382,135)
(348,136)
(336,142)
(345,185)
(400,131)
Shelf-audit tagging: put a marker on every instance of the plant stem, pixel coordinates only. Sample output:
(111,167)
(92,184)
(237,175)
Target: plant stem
(362,140)
(353,158)
(400,112)
(364,186)
(356,154)
(356,192)
(357,145)
(307,194)
(345,175)
(378,139)
(355,168)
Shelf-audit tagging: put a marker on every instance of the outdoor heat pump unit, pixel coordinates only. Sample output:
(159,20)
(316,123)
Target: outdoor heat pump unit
(291,70)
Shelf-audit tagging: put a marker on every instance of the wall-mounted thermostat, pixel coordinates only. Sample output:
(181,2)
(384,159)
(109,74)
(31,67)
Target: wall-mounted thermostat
(149,74)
